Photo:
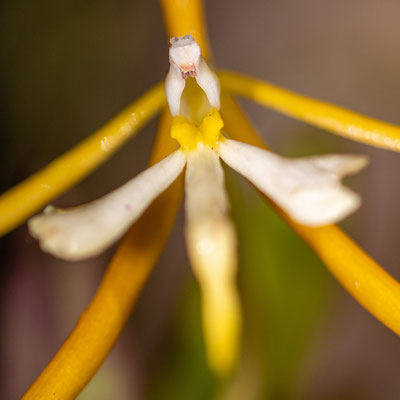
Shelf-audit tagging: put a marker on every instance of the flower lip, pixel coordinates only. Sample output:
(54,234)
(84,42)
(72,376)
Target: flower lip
(211,243)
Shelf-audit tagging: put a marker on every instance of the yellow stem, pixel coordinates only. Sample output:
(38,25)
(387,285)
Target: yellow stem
(315,112)
(362,277)
(101,323)
(182,17)
(21,201)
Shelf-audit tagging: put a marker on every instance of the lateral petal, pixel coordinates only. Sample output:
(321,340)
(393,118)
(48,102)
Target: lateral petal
(85,231)
(309,189)
(208,81)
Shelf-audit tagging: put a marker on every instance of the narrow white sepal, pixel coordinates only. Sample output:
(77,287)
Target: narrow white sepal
(208,81)
(174,85)
(309,189)
(211,243)
(85,231)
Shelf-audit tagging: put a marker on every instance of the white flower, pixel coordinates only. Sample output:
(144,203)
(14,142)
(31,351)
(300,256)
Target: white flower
(308,189)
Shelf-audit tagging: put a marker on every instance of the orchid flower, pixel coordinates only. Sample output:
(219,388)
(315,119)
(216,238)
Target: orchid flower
(308,189)
(207,125)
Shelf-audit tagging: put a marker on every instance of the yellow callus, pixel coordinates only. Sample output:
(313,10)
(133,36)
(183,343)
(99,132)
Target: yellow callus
(189,135)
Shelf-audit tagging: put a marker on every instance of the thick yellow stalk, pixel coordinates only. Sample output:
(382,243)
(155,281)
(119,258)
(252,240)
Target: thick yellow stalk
(21,201)
(362,277)
(101,323)
(324,115)
(182,17)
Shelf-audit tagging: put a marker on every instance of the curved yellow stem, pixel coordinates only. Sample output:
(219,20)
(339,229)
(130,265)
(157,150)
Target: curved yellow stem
(21,201)
(101,323)
(315,112)
(361,276)
(182,17)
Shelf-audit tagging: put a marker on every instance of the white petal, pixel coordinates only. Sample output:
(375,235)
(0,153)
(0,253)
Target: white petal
(174,85)
(85,231)
(211,243)
(308,189)
(209,82)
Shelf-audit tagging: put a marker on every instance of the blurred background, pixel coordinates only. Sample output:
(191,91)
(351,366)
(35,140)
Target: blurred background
(68,66)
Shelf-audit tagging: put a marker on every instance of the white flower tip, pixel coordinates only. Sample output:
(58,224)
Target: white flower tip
(55,236)
(319,197)
(323,206)
(341,164)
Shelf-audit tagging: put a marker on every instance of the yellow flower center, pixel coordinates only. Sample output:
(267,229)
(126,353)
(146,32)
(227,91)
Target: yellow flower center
(189,135)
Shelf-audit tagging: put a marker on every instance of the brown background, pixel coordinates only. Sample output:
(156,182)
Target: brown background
(68,66)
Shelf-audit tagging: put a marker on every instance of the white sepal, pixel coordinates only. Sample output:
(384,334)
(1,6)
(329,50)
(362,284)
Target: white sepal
(85,231)
(211,243)
(174,85)
(208,81)
(309,189)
